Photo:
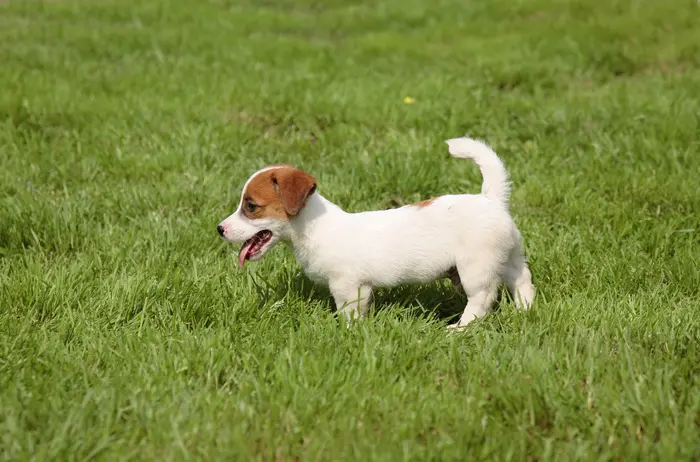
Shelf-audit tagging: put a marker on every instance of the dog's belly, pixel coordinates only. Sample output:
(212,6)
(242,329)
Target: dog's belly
(412,274)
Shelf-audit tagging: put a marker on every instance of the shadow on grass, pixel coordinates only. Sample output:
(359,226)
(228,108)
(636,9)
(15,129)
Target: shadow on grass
(440,299)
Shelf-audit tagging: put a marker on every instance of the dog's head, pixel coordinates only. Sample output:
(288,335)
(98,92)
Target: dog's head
(270,199)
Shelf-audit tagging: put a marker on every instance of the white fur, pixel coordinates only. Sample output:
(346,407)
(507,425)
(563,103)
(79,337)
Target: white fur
(356,252)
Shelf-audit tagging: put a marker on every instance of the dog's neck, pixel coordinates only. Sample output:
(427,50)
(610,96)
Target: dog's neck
(317,210)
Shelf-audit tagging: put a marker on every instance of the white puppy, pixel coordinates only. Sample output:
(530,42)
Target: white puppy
(473,236)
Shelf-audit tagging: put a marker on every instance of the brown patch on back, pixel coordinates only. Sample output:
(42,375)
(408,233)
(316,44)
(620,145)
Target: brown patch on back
(424,203)
(280,192)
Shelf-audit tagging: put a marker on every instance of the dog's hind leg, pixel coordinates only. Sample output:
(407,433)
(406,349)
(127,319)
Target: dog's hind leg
(519,281)
(481,286)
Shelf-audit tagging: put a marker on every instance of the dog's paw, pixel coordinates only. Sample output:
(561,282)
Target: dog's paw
(456,328)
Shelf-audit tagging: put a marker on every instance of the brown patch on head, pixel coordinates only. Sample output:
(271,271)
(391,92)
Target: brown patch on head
(280,192)
(424,203)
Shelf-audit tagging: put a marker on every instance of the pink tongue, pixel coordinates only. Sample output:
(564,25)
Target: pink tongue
(244,252)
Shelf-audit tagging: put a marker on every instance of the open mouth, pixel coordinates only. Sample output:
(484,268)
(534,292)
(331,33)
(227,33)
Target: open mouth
(253,246)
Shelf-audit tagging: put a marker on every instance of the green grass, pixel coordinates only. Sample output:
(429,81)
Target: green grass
(128,128)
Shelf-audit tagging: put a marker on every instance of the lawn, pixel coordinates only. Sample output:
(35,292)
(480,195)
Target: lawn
(127,129)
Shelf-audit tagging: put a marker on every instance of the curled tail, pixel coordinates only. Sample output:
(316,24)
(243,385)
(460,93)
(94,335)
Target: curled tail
(496,185)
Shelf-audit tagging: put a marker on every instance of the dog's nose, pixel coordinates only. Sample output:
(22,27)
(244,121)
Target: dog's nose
(220,229)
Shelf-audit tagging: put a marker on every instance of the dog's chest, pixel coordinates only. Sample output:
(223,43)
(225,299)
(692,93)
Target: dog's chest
(311,266)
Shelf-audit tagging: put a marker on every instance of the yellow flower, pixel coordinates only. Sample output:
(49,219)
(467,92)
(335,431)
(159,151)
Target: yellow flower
(409,100)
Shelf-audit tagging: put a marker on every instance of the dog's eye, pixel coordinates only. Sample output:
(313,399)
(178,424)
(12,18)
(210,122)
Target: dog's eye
(251,206)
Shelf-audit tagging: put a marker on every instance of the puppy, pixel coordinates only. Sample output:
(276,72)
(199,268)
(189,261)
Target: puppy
(470,238)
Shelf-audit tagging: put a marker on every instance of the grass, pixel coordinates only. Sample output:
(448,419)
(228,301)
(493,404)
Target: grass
(127,129)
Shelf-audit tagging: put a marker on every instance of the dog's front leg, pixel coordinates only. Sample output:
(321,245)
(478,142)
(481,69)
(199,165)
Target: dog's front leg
(351,300)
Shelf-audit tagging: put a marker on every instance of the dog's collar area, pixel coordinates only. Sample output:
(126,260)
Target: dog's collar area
(253,246)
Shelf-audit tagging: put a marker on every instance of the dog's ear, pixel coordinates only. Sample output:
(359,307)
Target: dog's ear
(294,188)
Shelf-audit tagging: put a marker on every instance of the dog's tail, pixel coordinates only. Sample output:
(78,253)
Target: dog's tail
(496,185)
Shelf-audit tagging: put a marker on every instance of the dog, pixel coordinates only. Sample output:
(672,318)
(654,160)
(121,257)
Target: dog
(470,238)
